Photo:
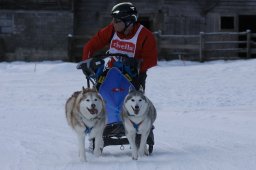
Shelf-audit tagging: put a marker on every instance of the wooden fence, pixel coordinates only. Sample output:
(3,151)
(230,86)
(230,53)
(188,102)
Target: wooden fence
(201,47)
(207,46)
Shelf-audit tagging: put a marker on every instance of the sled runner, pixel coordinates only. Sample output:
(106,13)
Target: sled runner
(113,84)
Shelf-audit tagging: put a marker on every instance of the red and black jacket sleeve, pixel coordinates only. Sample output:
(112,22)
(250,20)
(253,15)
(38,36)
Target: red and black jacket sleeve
(146,50)
(98,41)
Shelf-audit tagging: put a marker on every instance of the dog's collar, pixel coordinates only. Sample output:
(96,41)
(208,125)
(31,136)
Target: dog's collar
(135,125)
(87,129)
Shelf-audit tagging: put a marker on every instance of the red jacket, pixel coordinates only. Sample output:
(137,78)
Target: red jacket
(146,48)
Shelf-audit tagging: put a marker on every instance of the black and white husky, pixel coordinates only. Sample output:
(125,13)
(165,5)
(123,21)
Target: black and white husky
(85,113)
(138,116)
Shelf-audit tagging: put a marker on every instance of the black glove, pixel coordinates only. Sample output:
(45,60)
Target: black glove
(87,71)
(132,63)
(140,81)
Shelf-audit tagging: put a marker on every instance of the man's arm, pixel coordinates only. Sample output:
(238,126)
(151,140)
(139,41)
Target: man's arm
(148,52)
(98,41)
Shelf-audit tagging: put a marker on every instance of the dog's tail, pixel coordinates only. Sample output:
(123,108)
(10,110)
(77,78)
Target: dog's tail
(69,110)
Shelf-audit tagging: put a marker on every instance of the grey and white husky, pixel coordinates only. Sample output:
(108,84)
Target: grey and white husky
(138,116)
(85,113)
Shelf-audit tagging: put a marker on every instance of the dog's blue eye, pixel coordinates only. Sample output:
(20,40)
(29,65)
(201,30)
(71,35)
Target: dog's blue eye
(140,100)
(95,99)
(132,100)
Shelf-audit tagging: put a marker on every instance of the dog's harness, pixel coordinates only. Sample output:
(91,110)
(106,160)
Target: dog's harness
(135,125)
(88,129)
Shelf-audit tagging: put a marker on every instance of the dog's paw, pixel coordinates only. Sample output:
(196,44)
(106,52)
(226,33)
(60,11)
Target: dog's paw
(135,156)
(141,152)
(97,152)
(146,152)
(83,159)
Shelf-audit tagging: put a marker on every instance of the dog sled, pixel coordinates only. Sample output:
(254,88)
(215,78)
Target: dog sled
(113,84)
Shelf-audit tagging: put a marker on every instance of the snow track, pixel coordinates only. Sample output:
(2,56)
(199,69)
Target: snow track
(206,118)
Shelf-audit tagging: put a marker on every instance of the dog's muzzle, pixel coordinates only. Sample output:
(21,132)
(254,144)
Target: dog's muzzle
(93,110)
(136,110)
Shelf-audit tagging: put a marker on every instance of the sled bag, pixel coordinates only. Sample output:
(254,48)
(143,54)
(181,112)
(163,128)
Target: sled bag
(113,90)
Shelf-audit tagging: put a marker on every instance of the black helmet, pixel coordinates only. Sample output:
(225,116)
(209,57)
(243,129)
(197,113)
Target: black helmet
(125,11)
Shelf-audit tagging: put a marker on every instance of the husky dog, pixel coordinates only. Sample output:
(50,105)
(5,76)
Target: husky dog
(85,113)
(138,116)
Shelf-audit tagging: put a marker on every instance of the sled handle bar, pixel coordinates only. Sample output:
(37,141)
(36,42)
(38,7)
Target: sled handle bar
(103,56)
(86,64)
(85,67)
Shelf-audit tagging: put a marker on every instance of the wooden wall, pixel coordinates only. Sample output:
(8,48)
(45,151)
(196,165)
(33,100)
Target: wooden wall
(83,18)
(35,35)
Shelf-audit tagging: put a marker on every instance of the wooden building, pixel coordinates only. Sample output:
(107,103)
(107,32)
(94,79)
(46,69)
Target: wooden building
(34,30)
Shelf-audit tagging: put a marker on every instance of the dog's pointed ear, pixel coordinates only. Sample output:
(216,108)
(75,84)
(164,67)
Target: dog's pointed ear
(83,89)
(131,88)
(141,89)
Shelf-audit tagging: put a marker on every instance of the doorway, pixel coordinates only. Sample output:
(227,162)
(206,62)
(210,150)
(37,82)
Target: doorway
(146,22)
(246,22)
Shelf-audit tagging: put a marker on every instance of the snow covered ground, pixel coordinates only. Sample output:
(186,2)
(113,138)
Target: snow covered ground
(206,118)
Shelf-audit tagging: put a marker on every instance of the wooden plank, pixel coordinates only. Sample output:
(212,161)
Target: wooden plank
(253,51)
(226,42)
(179,46)
(179,36)
(227,50)
(225,33)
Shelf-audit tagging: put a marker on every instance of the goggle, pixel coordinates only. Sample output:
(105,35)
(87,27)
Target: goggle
(116,20)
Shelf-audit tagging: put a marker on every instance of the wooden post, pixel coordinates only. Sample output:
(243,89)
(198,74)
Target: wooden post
(248,43)
(2,49)
(158,40)
(201,49)
(70,58)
